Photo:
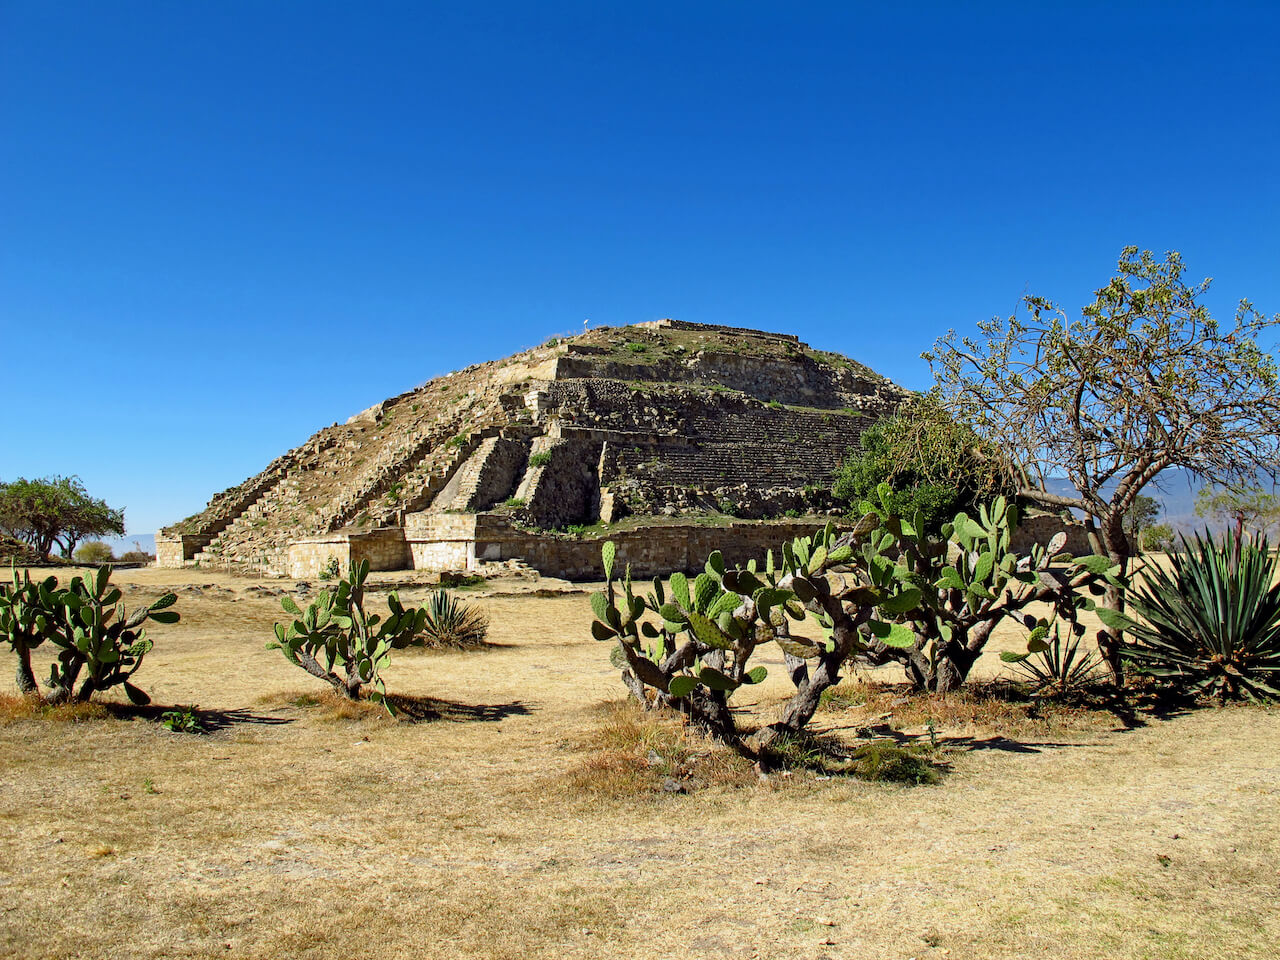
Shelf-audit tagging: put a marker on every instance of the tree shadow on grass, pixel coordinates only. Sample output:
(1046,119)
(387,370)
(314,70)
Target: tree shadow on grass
(428,709)
(205,720)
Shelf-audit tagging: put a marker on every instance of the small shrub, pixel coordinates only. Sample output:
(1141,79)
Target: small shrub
(775,405)
(540,459)
(137,556)
(889,763)
(183,720)
(515,503)
(94,552)
(451,623)
(331,569)
(637,347)
(1211,623)
(1056,667)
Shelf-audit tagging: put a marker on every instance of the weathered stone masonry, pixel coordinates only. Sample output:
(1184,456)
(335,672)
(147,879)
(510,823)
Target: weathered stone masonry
(658,419)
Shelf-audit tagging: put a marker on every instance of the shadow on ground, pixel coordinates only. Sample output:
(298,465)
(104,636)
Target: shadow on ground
(425,709)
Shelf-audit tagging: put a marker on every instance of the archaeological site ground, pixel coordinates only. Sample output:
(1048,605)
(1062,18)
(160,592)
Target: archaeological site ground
(519,804)
(518,810)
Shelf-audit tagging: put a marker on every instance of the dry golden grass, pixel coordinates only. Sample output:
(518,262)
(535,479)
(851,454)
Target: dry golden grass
(302,827)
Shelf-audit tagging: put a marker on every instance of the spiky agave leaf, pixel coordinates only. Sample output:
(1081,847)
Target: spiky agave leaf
(1211,622)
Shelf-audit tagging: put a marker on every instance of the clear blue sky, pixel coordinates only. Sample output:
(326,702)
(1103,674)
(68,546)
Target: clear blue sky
(226,225)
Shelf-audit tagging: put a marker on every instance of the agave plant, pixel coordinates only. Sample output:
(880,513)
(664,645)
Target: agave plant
(452,623)
(1057,666)
(1211,623)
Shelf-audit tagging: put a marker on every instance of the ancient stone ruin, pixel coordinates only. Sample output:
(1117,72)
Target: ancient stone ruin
(672,438)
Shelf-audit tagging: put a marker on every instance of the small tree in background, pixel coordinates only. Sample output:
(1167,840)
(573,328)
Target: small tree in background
(934,465)
(1142,514)
(1244,506)
(1144,380)
(55,510)
(1157,538)
(93,553)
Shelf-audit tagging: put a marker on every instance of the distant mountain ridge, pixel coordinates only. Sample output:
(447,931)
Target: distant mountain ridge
(1175,490)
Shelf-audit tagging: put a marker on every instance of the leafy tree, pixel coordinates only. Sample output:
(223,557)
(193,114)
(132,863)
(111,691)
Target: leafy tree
(1158,538)
(1144,380)
(934,465)
(1250,506)
(55,510)
(1142,514)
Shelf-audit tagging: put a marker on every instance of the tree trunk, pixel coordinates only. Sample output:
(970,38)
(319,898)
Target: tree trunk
(26,679)
(63,684)
(952,669)
(312,666)
(1116,546)
(710,713)
(799,710)
(633,684)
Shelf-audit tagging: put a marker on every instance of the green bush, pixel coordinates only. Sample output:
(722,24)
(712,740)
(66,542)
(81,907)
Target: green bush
(933,465)
(93,553)
(540,459)
(1211,623)
(183,720)
(890,763)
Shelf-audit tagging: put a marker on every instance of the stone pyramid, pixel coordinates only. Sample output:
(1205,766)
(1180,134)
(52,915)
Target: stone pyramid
(668,425)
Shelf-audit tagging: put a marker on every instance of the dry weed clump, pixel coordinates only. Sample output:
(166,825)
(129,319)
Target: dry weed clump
(633,753)
(994,707)
(16,709)
(329,707)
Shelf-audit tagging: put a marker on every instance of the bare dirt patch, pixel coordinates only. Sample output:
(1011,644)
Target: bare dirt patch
(303,827)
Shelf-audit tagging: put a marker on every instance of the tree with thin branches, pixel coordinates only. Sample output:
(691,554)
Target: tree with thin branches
(1143,381)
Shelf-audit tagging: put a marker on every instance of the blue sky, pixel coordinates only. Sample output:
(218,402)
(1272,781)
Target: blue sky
(224,226)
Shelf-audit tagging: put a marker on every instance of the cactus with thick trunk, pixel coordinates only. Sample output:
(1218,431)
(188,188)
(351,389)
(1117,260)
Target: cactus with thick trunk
(711,626)
(335,632)
(95,635)
(25,610)
(970,581)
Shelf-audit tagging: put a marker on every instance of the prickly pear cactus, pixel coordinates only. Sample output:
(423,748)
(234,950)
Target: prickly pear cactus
(970,581)
(25,617)
(690,647)
(335,632)
(97,636)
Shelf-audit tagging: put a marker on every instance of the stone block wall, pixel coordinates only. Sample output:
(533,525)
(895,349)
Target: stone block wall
(653,551)
(385,549)
(174,551)
(1040,528)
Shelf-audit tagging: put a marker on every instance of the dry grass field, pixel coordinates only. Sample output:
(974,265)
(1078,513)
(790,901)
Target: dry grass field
(511,816)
